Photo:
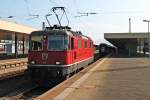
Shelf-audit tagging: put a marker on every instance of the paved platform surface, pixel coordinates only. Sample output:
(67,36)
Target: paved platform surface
(112,79)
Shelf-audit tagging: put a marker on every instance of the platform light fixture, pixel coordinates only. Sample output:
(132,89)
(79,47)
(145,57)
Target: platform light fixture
(148,37)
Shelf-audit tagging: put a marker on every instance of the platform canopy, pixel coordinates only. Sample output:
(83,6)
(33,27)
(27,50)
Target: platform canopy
(128,42)
(14,27)
(126,38)
(126,35)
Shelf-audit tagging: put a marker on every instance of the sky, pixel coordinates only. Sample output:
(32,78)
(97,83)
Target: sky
(112,15)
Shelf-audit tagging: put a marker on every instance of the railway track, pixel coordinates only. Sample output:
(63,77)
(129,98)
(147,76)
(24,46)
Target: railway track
(13,86)
(25,94)
(33,91)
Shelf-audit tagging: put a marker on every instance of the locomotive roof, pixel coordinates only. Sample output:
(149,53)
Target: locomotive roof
(49,32)
(69,32)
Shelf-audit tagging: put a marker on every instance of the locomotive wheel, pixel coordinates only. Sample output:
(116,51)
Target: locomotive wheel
(67,76)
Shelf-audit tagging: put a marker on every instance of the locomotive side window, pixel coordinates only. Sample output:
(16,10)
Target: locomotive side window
(90,44)
(36,43)
(57,42)
(79,43)
(85,44)
(72,43)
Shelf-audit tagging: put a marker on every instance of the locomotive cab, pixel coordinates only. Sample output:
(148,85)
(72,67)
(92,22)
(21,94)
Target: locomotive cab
(48,53)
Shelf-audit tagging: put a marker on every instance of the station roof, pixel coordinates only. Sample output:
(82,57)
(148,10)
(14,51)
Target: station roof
(119,39)
(125,35)
(11,26)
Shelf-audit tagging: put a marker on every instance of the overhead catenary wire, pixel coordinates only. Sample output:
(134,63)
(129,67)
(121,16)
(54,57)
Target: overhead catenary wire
(69,10)
(27,6)
(33,16)
(53,2)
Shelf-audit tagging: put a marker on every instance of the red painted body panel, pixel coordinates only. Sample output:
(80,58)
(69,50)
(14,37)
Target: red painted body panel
(53,57)
(64,57)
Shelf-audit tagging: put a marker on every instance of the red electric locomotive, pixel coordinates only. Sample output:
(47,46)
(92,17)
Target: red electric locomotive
(57,53)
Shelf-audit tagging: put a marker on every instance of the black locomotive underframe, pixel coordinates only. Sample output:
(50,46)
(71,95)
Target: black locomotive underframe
(48,72)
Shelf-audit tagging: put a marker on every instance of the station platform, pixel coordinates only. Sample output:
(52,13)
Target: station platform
(12,67)
(12,60)
(110,79)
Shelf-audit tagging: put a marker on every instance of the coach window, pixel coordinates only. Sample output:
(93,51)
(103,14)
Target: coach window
(36,42)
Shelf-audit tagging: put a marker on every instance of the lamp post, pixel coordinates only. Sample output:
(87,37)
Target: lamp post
(148,37)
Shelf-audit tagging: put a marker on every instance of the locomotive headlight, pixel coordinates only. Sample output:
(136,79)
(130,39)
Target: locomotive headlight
(32,62)
(57,63)
(44,36)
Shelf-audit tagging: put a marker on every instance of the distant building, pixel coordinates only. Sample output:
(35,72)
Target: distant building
(14,38)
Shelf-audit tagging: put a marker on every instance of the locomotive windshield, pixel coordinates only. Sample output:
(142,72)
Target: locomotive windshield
(57,43)
(36,42)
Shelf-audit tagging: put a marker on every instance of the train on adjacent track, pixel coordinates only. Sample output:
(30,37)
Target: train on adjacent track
(105,49)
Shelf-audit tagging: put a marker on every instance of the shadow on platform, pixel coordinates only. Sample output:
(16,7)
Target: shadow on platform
(119,69)
(138,55)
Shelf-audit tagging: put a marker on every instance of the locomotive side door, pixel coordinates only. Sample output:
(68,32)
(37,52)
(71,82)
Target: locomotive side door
(72,50)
